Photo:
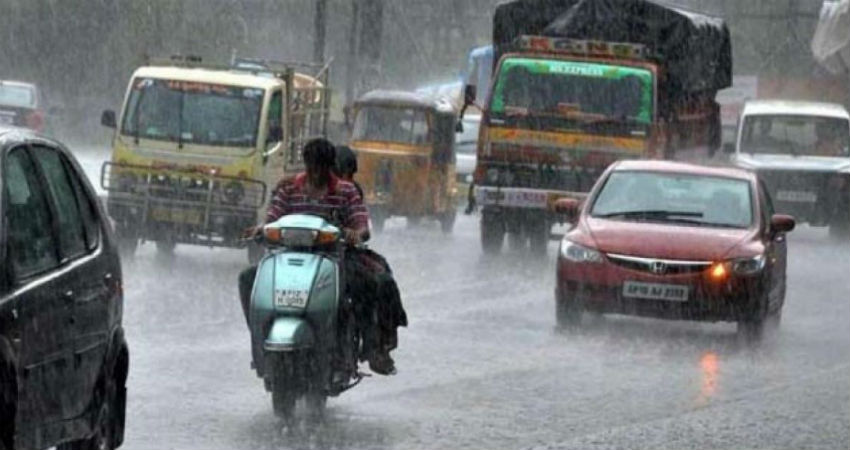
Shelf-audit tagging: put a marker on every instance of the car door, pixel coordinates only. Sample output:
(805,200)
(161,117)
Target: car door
(89,286)
(43,309)
(776,249)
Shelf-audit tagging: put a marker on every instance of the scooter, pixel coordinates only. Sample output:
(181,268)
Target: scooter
(304,337)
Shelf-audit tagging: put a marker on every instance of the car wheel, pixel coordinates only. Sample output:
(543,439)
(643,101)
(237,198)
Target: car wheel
(568,313)
(492,234)
(8,401)
(103,437)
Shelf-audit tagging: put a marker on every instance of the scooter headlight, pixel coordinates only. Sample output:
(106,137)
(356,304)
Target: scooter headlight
(579,253)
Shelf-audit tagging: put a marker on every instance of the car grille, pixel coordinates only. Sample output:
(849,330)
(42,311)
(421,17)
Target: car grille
(658,266)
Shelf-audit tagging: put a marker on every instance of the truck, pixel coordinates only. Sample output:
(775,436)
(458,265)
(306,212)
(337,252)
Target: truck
(579,84)
(198,147)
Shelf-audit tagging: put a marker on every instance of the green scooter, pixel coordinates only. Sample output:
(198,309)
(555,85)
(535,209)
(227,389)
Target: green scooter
(304,337)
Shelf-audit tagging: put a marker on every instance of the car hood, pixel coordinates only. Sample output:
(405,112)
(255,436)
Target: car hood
(795,163)
(650,240)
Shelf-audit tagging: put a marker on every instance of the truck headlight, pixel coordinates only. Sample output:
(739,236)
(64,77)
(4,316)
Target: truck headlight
(579,253)
(233,192)
(493,175)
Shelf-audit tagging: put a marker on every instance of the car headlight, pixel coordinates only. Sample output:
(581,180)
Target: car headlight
(579,253)
(748,266)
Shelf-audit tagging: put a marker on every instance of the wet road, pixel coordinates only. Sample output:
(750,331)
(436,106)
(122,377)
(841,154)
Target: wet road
(482,366)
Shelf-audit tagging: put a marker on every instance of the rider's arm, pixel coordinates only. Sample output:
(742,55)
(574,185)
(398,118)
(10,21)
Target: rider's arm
(279,205)
(357,217)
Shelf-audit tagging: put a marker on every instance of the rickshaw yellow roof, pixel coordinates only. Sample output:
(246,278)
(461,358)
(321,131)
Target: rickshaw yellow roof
(406,99)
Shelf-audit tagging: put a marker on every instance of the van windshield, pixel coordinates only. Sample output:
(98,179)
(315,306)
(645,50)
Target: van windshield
(190,112)
(796,135)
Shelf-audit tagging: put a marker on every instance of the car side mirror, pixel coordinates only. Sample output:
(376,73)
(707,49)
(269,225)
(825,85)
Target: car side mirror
(782,223)
(729,148)
(107,119)
(568,207)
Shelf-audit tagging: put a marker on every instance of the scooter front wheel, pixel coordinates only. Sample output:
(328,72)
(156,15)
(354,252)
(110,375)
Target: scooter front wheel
(284,388)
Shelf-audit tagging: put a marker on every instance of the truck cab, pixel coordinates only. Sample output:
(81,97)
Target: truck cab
(198,146)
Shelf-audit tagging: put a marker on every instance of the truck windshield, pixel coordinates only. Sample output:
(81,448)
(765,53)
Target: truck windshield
(796,135)
(190,112)
(391,124)
(582,91)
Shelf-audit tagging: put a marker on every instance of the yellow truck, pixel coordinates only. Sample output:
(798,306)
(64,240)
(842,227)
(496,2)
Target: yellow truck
(198,147)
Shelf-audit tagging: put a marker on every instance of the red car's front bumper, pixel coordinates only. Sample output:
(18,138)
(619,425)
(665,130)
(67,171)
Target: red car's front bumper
(599,287)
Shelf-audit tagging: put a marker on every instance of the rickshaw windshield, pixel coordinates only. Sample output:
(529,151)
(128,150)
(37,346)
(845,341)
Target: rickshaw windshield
(391,124)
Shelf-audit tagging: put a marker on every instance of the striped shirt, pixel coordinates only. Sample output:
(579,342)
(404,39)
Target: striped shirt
(342,205)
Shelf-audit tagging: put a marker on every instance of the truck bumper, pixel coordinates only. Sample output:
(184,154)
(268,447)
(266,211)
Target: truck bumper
(522,198)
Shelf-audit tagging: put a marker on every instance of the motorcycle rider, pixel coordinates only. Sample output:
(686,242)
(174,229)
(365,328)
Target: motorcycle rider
(318,191)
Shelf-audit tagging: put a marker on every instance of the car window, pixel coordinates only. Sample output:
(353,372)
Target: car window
(31,243)
(88,210)
(71,235)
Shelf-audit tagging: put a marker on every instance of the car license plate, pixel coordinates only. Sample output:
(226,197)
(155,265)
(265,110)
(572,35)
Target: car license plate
(655,291)
(176,215)
(291,298)
(797,196)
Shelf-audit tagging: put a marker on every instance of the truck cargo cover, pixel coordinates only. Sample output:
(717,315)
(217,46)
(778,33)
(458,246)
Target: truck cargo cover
(695,49)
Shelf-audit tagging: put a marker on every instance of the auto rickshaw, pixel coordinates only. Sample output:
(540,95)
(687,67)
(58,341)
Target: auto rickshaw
(405,149)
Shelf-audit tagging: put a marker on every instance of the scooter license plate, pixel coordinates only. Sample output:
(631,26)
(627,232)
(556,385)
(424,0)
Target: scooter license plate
(291,298)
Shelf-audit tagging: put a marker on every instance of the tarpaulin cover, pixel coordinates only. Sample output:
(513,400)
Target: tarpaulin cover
(694,49)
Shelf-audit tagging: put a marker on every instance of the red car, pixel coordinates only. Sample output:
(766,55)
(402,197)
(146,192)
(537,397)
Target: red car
(674,241)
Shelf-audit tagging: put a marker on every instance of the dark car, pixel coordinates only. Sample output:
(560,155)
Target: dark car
(21,105)
(675,241)
(63,357)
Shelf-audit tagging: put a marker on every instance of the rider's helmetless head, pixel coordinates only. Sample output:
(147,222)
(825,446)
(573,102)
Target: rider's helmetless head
(319,159)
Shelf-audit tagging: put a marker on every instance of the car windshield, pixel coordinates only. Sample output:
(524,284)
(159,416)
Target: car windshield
(196,113)
(586,92)
(391,124)
(675,198)
(796,135)
(16,95)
